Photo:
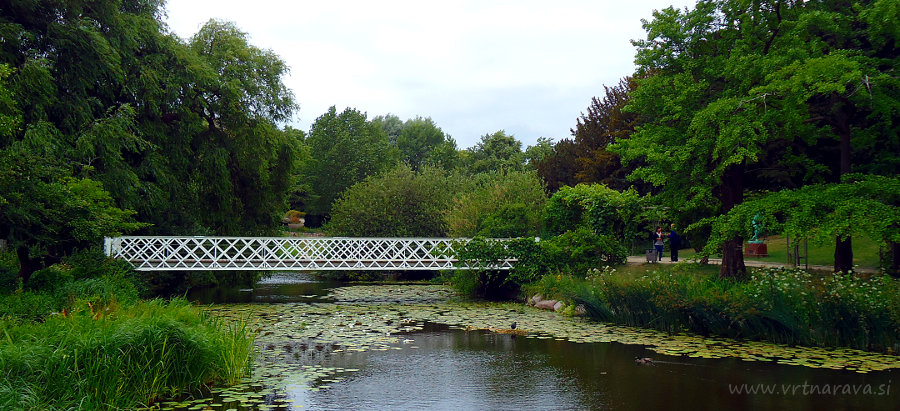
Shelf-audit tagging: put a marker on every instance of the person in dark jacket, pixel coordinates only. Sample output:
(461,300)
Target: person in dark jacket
(674,242)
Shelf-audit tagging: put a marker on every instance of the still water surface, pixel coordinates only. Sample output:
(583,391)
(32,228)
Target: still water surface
(438,367)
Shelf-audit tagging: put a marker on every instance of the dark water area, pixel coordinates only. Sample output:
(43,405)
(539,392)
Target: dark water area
(276,288)
(455,369)
(441,367)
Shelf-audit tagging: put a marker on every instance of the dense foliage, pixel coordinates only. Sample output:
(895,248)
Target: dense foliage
(736,95)
(103,110)
(596,206)
(585,158)
(496,152)
(576,251)
(422,142)
(398,203)
(344,148)
(861,204)
(498,205)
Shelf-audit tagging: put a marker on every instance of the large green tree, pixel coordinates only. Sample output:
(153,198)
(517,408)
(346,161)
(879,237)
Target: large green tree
(391,124)
(344,149)
(495,152)
(727,94)
(417,140)
(840,81)
(242,161)
(46,211)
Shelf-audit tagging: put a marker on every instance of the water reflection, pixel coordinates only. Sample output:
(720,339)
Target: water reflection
(443,368)
(453,369)
(450,370)
(275,288)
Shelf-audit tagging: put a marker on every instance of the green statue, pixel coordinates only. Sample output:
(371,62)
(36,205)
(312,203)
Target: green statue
(758,228)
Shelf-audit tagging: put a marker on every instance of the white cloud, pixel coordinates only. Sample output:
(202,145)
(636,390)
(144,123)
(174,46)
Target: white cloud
(529,67)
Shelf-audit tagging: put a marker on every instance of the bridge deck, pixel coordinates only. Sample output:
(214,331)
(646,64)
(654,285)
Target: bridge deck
(290,253)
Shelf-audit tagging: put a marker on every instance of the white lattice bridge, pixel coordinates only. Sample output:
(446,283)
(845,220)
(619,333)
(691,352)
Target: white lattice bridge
(290,253)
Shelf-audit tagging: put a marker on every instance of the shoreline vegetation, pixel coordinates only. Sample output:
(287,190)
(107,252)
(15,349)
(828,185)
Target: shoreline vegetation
(776,304)
(79,337)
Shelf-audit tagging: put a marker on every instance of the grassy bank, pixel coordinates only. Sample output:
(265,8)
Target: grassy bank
(77,336)
(781,305)
(123,357)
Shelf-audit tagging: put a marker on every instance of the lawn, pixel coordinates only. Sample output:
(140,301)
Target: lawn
(865,252)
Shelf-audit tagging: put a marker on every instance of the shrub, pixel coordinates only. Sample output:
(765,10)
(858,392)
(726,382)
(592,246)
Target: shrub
(580,250)
(48,279)
(595,206)
(576,251)
(27,306)
(499,205)
(398,203)
(9,276)
(614,217)
(492,283)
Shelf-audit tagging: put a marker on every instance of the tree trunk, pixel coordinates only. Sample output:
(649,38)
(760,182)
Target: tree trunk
(733,250)
(733,259)
(895,260)
(843,255)
(843,249)
(27,265)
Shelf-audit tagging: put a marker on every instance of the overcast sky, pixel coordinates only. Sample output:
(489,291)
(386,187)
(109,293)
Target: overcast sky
(474,67)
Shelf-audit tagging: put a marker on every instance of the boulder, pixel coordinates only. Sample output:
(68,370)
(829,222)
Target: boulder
(545,304)
(534,300)
(558,306)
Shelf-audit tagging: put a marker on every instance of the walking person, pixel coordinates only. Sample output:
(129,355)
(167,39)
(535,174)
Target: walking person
(658,238)
(674,242)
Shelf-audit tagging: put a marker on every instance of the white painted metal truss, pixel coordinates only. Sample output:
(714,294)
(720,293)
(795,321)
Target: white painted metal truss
(290,253)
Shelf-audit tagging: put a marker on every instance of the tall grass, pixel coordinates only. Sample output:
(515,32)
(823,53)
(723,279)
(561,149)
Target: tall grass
(124,357)
(776,304)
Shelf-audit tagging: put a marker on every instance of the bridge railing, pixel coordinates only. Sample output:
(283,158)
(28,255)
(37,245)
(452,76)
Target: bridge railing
(157,253)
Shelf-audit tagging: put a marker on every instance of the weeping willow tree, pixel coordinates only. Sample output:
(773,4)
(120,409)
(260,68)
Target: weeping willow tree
(104,109)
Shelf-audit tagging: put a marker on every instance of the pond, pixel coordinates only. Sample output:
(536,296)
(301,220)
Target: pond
(326,346)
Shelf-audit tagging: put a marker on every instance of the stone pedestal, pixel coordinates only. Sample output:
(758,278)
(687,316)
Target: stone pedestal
(756,249)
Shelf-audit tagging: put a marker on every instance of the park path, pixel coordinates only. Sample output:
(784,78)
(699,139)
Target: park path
(639,259)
